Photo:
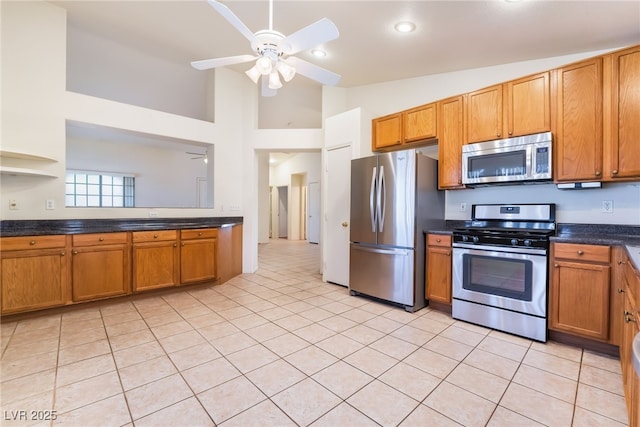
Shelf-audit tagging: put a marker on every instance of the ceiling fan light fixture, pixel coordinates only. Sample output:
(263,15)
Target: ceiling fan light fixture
(253,73)
(286,70)
(274,81)
(264,66)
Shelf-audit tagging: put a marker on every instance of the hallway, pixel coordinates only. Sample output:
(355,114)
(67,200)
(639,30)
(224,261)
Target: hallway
(280,347)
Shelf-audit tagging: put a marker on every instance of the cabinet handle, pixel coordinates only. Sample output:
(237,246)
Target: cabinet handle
(510,133)
(438,240)
(199,233)
(182,244)
(448,253)
(556,265)
(155,236)
(63,253)
(597,173)
(628,317)
(580,252)
(75,252)
(33,242)
(175,245)
(498,135)
(615,171)
(620,290)
(101,239)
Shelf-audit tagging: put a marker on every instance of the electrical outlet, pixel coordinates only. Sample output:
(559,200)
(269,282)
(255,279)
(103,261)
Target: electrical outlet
(607,206)
(13,205)
(463,206)
(153,214)
(50,204)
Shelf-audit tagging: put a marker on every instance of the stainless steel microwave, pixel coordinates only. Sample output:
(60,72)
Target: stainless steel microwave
(521,159)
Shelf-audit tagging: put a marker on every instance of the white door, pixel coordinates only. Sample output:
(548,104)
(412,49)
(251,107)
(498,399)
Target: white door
(338,193)
(283,212)
(313,225)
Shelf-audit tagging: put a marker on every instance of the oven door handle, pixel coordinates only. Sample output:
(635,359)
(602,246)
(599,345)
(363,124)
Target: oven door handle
(517,250)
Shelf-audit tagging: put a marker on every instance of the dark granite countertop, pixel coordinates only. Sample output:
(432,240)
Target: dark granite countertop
(598,234)
(110,225)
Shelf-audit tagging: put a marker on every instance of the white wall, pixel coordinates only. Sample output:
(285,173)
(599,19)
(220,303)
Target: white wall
(572,206)
(104,68)
(308,163)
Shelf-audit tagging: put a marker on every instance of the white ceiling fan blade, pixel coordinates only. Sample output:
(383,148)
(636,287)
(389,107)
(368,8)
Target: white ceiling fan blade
(266,90)
(206,64)
(233,20)
(310,36)
(313,72)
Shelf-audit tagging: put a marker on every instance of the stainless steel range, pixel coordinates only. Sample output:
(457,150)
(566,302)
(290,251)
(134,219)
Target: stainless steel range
(500,268)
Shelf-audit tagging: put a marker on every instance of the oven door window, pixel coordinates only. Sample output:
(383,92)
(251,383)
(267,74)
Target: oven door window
(508,163)
(506,277)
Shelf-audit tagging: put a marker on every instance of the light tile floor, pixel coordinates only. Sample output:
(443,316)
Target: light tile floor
(281,348)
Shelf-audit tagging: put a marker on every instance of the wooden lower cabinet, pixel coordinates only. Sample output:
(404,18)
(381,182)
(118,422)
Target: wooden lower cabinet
(229,253)
(100,266)
(34,272)
(155,259)
(580,289)
(198,251)
(631,316)
(438,271)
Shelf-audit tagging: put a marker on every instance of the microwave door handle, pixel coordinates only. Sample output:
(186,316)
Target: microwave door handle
(382,199)
(372,191)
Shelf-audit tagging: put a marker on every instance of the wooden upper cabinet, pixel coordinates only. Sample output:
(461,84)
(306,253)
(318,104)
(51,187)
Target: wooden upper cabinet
(623,136)
(419,123)
(527,105)
(387,131)
(450,140)
(577,90)
(516,108)
(484,114)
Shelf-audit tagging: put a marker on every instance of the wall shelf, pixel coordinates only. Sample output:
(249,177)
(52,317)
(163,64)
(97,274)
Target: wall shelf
(22,154)
(9,170)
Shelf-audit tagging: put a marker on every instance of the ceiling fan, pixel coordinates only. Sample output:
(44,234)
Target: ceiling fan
(198,155)
(273,49)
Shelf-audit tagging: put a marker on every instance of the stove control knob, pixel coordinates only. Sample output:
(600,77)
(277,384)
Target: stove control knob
(476,239)
(527,242)
(465,238)
(514,242)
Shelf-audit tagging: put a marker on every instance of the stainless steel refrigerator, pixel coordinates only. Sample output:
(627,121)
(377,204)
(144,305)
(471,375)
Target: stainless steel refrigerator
(394,198)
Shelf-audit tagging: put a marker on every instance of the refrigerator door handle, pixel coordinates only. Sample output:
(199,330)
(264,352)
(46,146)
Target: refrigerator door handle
(382,199)
(399,252)
(372,190)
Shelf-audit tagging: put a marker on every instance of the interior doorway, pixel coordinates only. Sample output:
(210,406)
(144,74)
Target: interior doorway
(283,212)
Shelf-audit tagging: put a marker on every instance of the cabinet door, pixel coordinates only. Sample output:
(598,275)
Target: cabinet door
(579,299)
(528,105)
(198,260)
(450,141)
(439,274)
(387,131)
(484,114)
(578,133)
(99,272)
(155,265)
(33,279)
(420,123)
(625,110)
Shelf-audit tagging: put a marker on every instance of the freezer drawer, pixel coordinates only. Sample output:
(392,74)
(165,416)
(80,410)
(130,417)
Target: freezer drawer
(384,273)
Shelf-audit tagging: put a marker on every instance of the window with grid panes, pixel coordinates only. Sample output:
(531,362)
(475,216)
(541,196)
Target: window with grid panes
(95,189)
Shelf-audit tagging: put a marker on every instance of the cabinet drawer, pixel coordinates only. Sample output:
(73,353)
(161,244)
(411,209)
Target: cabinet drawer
(154,236)
(202,233)
(32,242)
(581,252)
(438,240)
(99,239)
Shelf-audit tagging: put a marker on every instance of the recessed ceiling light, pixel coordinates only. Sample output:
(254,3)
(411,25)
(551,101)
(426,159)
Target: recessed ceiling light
(405,27)
(318,53)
